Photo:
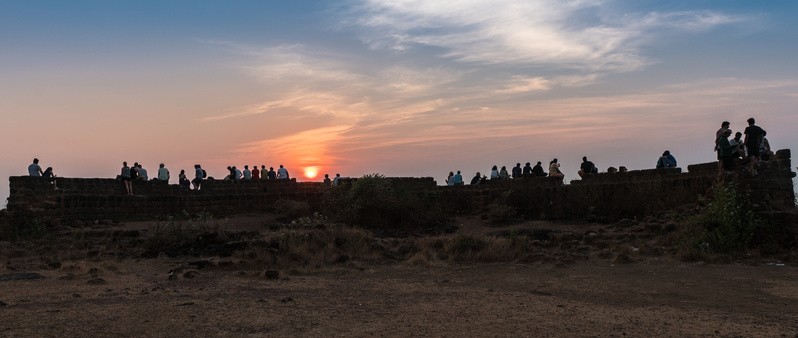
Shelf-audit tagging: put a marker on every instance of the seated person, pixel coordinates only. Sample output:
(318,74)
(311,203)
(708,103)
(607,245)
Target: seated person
(666,160)
(538,170)
(587,168)
(477,179)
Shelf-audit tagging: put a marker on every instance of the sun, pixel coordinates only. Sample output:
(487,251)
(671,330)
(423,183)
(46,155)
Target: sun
(311,172)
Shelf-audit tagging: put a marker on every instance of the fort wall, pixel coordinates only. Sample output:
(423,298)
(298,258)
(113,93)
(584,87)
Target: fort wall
(605,195)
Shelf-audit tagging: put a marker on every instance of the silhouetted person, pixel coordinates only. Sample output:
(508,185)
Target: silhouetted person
(282,173)
(517,171)
(271,174)
(48,174)
(723,127)
(726,152)
(538,170)
(528,169)
(612,170)
(494,173)
(34,170)
(622,169)
(477,178)
(127,178)
(247,173)
(587,168)
(739,145)
(255,173)
(142,173)
(503,174)
(450,178)
(457,178)
(199,175)
(163,173)
(182,180)
(666,160)
(264,174)
(554,169)
(753,140)
(327,180)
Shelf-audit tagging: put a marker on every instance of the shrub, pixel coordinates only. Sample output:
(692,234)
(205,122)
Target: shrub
(184,237)
(726,224)
(289,209)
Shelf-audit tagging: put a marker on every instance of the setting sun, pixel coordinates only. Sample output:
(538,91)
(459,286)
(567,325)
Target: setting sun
(311,172)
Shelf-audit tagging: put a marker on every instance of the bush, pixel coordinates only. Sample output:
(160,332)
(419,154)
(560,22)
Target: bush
(290,210)
(726,224)
(196,235)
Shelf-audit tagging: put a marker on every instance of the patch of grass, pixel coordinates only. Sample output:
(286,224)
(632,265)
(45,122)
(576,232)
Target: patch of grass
(184,237)
(289,209)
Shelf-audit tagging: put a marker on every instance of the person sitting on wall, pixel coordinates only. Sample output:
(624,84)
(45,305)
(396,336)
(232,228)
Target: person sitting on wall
(587,168)
(739,145)
(477,178)
(282,173)
(255,173)
(457,178)
(271,174)
(612,170)
(666,160)
(527,170)
(554,169)
(450,178)
(337,180)
(236,174)
(48,174)
(494,173)
(327,180)
(182,180)
(622,169)
(503,174)
(517,171)
(764,150)
(538,170)
(142,173)
(163,173)
(264,174)
(134,173)
(230,173)
(247,173)
(34,170)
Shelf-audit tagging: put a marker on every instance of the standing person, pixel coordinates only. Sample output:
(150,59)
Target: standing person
(255,173)
(538,170)
(247,173)
(127,178)
(554,169)
(494,173)
(199,175)
(753,140)
(34,170)
(282,173)
(163,173)
(726,151)
(723,127)
(271,174)
(182,180)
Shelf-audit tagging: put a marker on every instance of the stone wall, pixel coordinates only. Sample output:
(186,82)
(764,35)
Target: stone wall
(605,195)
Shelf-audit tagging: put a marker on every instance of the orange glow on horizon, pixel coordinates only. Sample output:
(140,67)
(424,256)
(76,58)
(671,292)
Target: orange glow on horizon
(311,172)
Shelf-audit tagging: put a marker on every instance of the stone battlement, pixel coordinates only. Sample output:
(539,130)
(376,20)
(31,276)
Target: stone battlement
(610,195)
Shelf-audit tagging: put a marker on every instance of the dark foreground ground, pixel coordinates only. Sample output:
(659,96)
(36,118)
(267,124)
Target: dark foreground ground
(583,280)
(592,298)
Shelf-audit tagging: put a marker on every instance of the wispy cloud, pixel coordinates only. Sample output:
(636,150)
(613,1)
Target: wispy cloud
(557,33)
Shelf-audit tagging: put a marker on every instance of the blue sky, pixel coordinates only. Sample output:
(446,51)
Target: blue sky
(410,88)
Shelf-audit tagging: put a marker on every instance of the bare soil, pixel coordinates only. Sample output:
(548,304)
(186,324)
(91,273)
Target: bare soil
(652,296)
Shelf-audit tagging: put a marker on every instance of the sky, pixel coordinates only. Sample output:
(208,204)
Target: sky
(396,87)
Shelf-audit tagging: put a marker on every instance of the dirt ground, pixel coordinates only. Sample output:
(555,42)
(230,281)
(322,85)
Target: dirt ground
(654,296)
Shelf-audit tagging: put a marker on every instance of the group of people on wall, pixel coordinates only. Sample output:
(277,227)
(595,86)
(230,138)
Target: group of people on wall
(749,147)
(586,169)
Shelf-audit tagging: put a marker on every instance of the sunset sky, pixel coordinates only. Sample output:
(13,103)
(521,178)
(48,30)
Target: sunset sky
(398,87)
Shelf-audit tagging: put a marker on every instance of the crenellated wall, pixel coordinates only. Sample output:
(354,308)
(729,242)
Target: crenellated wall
(634,193)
